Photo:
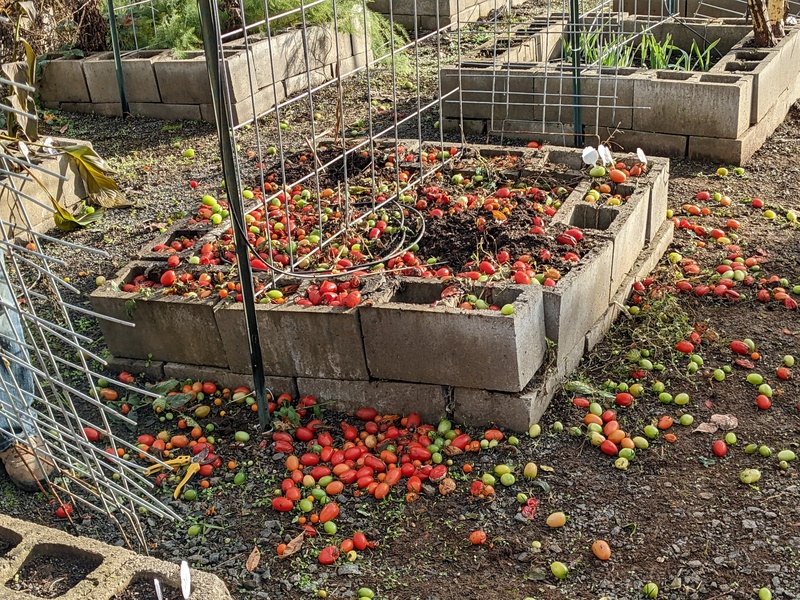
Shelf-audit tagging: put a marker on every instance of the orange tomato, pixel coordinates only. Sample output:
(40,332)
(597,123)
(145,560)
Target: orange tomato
(617,175)
(477,537)
(108,394)
(601,550)
(665,422)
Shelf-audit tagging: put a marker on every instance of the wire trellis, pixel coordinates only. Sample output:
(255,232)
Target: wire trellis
(61,396)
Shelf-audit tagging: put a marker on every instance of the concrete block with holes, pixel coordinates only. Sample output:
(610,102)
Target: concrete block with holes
(109,569)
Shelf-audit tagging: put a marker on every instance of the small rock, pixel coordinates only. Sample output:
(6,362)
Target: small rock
(749,524)
(350,569)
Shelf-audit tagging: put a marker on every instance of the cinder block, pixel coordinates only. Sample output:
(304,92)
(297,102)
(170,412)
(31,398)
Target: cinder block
(114,567)
(625,225)
(183,81)
(304,81)
(517,412)
(647,261)
(607,97)
(692,104)
(22,211)
(270,65)
(739,151)
(297,341)
(62,80)
(654,144)
(166,328)
(773,70)
(152,369)
(658,176)
(264,100)
(598,331)
(167,112)
(137,72)
(567,362)
(228,379)
(385,396)
(453,351)
(573,305)
(471,126)
(104,110)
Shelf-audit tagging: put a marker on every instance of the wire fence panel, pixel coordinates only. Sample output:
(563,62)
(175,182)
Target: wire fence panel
(48,388)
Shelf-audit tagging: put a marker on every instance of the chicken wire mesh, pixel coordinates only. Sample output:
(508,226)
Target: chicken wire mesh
(49,388)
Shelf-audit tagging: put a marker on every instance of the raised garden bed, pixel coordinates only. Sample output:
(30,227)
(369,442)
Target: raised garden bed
(415,331)
(159,85)
(724,114)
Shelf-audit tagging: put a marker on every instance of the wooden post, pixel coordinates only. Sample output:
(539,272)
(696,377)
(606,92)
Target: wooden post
(777,10)
(764,37)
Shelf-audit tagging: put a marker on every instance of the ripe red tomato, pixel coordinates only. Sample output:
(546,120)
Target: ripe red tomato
(720,448)
(359,541)
(168,278)
(282,504)
(63,511)
(624,399)
(763,402)
(685,347)
(352,299)
(91,434)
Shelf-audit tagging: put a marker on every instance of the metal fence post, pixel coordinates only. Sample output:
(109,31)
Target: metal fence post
(209,23)
(575,42)
(112,26)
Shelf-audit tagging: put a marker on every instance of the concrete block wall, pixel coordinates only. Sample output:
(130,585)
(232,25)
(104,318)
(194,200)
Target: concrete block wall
(719,115)
(114,568)
(424,15)
(401,352)
(158,85)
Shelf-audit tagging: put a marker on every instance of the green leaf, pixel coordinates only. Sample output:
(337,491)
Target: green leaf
(178,400)
(163,388)
(101,188)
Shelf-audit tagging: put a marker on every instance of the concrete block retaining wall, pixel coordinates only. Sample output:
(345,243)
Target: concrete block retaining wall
(400,353)
(158,85)
(114,568)
(724,114)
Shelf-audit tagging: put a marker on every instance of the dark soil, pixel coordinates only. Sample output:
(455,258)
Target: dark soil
(5,547)
(47,576)
(144,589)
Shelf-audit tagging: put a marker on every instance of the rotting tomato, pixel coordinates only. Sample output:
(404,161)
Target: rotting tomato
(328,555)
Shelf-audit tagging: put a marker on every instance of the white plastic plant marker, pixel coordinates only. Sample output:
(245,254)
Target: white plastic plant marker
(642,157)
(23,147)
(47,146)
(186,580)
(589,156)
(157,585)
(605,155)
